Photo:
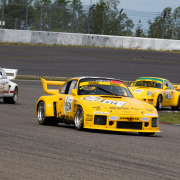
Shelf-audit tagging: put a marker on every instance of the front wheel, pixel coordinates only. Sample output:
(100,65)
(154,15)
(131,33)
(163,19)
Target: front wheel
(159,103)
(41,113)
(79,118)
(13,99)
(41,116)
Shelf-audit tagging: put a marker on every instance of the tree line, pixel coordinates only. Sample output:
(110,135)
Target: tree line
(104,18)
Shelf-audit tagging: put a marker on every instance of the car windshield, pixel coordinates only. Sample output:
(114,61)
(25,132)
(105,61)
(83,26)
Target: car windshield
(152,84)
(104,88)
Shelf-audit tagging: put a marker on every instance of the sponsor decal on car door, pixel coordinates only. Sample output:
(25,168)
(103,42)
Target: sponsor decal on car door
(68,105)
(3,87)
(169,93)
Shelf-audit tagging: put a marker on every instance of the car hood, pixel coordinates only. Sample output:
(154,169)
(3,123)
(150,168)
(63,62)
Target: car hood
(142,90)
(117,105)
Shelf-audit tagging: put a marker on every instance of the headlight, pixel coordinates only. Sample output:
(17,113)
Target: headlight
(149,93)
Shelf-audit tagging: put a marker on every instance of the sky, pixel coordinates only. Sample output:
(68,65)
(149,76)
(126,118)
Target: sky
(142,10)
(144,5)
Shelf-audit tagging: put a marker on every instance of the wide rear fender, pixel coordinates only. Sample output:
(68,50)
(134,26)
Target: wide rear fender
(12,85)
(176,98)
(50,102)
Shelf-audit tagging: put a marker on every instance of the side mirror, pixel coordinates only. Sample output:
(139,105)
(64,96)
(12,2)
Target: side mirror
(165,87)
(74,92)
(132,84)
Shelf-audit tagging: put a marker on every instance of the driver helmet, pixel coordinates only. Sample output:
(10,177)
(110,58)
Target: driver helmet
(91,88)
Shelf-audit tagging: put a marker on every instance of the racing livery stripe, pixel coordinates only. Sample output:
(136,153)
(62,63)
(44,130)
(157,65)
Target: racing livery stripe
(3,91)
(118,82)
(155,79)
(6,92)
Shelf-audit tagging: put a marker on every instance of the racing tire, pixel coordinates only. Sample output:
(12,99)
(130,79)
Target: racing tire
(41,116)
(145,134)
(79,118)
(177,108)
(13,99)
(159,103)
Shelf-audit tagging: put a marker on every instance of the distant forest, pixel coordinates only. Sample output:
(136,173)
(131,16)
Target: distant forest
(103,18)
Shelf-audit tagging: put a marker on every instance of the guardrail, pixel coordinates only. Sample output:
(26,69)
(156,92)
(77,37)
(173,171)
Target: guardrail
(90,40)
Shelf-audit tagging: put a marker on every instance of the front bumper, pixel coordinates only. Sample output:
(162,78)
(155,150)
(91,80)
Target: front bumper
(123,123)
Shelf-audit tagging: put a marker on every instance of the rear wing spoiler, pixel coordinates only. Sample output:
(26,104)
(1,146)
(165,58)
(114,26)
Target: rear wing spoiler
(45,84)
(11,73)
(177,87)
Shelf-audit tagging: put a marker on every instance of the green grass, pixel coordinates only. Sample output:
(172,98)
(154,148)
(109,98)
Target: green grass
(28,44)
(170,117)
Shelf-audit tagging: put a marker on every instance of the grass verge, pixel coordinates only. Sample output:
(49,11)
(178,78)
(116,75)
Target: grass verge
(83,46)
(170,117)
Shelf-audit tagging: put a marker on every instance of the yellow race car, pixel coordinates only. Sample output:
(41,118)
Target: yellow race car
(156,91)
(96,103)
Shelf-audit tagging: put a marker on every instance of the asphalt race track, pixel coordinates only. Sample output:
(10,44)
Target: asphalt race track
(31,151)
(78,61)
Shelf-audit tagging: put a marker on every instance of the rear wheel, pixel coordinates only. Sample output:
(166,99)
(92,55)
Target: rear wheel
(79,118)
(159,103)
(178,106)
(41,116)
(13,99)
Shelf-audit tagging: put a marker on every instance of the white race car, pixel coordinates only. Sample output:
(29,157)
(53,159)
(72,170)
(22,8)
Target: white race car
(8,89)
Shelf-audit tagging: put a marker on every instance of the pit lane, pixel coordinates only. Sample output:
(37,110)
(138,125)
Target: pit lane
(31,151)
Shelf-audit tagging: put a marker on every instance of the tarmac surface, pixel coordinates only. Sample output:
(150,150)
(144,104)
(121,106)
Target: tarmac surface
(78,61)
(31,151)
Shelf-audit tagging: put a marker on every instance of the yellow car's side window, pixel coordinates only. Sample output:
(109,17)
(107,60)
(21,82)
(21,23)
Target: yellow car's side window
(72,86)
(63,89)
(168,84)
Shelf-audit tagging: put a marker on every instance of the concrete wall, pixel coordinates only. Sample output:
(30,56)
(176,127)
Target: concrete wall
(74,39)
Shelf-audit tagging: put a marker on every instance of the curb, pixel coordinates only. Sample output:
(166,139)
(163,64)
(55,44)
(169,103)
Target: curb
(30,77)
(169,124)
(53,78)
